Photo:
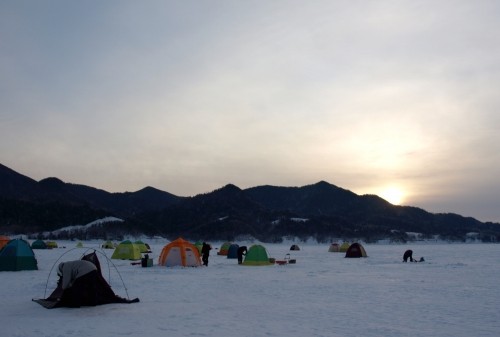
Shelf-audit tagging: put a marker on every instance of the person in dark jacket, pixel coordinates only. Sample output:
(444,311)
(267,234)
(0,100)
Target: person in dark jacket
(241,251)
(205,253)
(408,255)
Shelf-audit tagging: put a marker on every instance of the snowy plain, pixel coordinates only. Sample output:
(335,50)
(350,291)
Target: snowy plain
(455,292)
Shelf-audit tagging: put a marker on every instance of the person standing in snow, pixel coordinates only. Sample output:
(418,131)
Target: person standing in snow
(205,253)
(241,251)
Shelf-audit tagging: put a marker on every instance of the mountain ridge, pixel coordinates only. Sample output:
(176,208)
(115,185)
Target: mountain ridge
(265,212)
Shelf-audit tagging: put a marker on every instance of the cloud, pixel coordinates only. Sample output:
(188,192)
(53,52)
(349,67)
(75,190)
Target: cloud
(189,97)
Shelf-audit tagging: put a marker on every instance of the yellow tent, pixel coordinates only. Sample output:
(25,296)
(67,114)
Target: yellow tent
(126,250)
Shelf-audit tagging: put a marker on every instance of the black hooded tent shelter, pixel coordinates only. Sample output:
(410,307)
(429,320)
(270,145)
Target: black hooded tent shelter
(89,290)
(356,250)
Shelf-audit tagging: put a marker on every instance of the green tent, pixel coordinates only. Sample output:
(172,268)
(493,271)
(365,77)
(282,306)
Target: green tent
(198,245)
(108,245)
(344,247)
(17,255)
(79,245)
(51,244)
(39,244)
(142,247)
(257,256)
(127,251)
(224,248)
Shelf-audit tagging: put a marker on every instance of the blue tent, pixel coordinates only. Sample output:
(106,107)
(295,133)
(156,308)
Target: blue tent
(232,252)
(17,255)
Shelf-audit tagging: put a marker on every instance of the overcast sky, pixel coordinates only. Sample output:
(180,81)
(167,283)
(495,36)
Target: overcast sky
(188,96)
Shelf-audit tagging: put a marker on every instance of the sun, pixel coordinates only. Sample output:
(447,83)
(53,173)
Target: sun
(394,195)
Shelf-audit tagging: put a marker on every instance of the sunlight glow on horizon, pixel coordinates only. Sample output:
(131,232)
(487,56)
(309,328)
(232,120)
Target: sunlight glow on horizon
(393,194)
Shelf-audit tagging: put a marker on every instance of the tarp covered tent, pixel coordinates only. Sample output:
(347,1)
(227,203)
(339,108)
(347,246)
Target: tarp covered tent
(344,247)
(84,291)
(126,250)
(232,252)
(257,256)
(179,253)
(295,247)
(38,244)
(356,250)
(3,241)
(334,248)
(17,255)
(108,245)
(224,248)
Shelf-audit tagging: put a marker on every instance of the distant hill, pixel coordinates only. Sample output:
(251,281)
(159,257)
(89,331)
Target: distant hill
(322,211)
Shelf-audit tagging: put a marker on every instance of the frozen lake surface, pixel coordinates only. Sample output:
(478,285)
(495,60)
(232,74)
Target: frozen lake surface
(455,292)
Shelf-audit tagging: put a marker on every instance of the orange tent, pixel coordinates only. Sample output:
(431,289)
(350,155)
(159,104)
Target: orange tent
(3,240)
(179,253)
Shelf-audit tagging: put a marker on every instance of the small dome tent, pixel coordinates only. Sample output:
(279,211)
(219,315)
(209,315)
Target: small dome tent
(334,248)
(38,244)
(294,247)
(257,256)
(126,250)
(179,253)
(17,255)
(344,247)
(356,250)
(108,245)
(224,249)
(232,252)
(51,244)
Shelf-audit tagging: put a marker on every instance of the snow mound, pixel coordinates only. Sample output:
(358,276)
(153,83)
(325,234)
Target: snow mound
(98,222)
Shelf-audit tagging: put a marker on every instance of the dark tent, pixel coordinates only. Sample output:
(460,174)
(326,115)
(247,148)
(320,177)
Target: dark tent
(89,289)
(17,255)
(38,244)
(232,252)
(356,250)
(294,247)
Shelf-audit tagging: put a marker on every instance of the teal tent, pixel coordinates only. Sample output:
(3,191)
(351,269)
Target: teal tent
(17,255)
(38,244)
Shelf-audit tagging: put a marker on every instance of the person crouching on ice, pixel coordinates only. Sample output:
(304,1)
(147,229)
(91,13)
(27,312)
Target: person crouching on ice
(408,255)
(78,281)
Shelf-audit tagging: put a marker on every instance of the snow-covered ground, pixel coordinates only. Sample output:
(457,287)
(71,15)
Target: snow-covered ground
(454,293)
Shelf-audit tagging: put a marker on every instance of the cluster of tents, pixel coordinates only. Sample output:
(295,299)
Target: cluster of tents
(40,244)
(351,250)
(256,255)
(17,254)
(181,252)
